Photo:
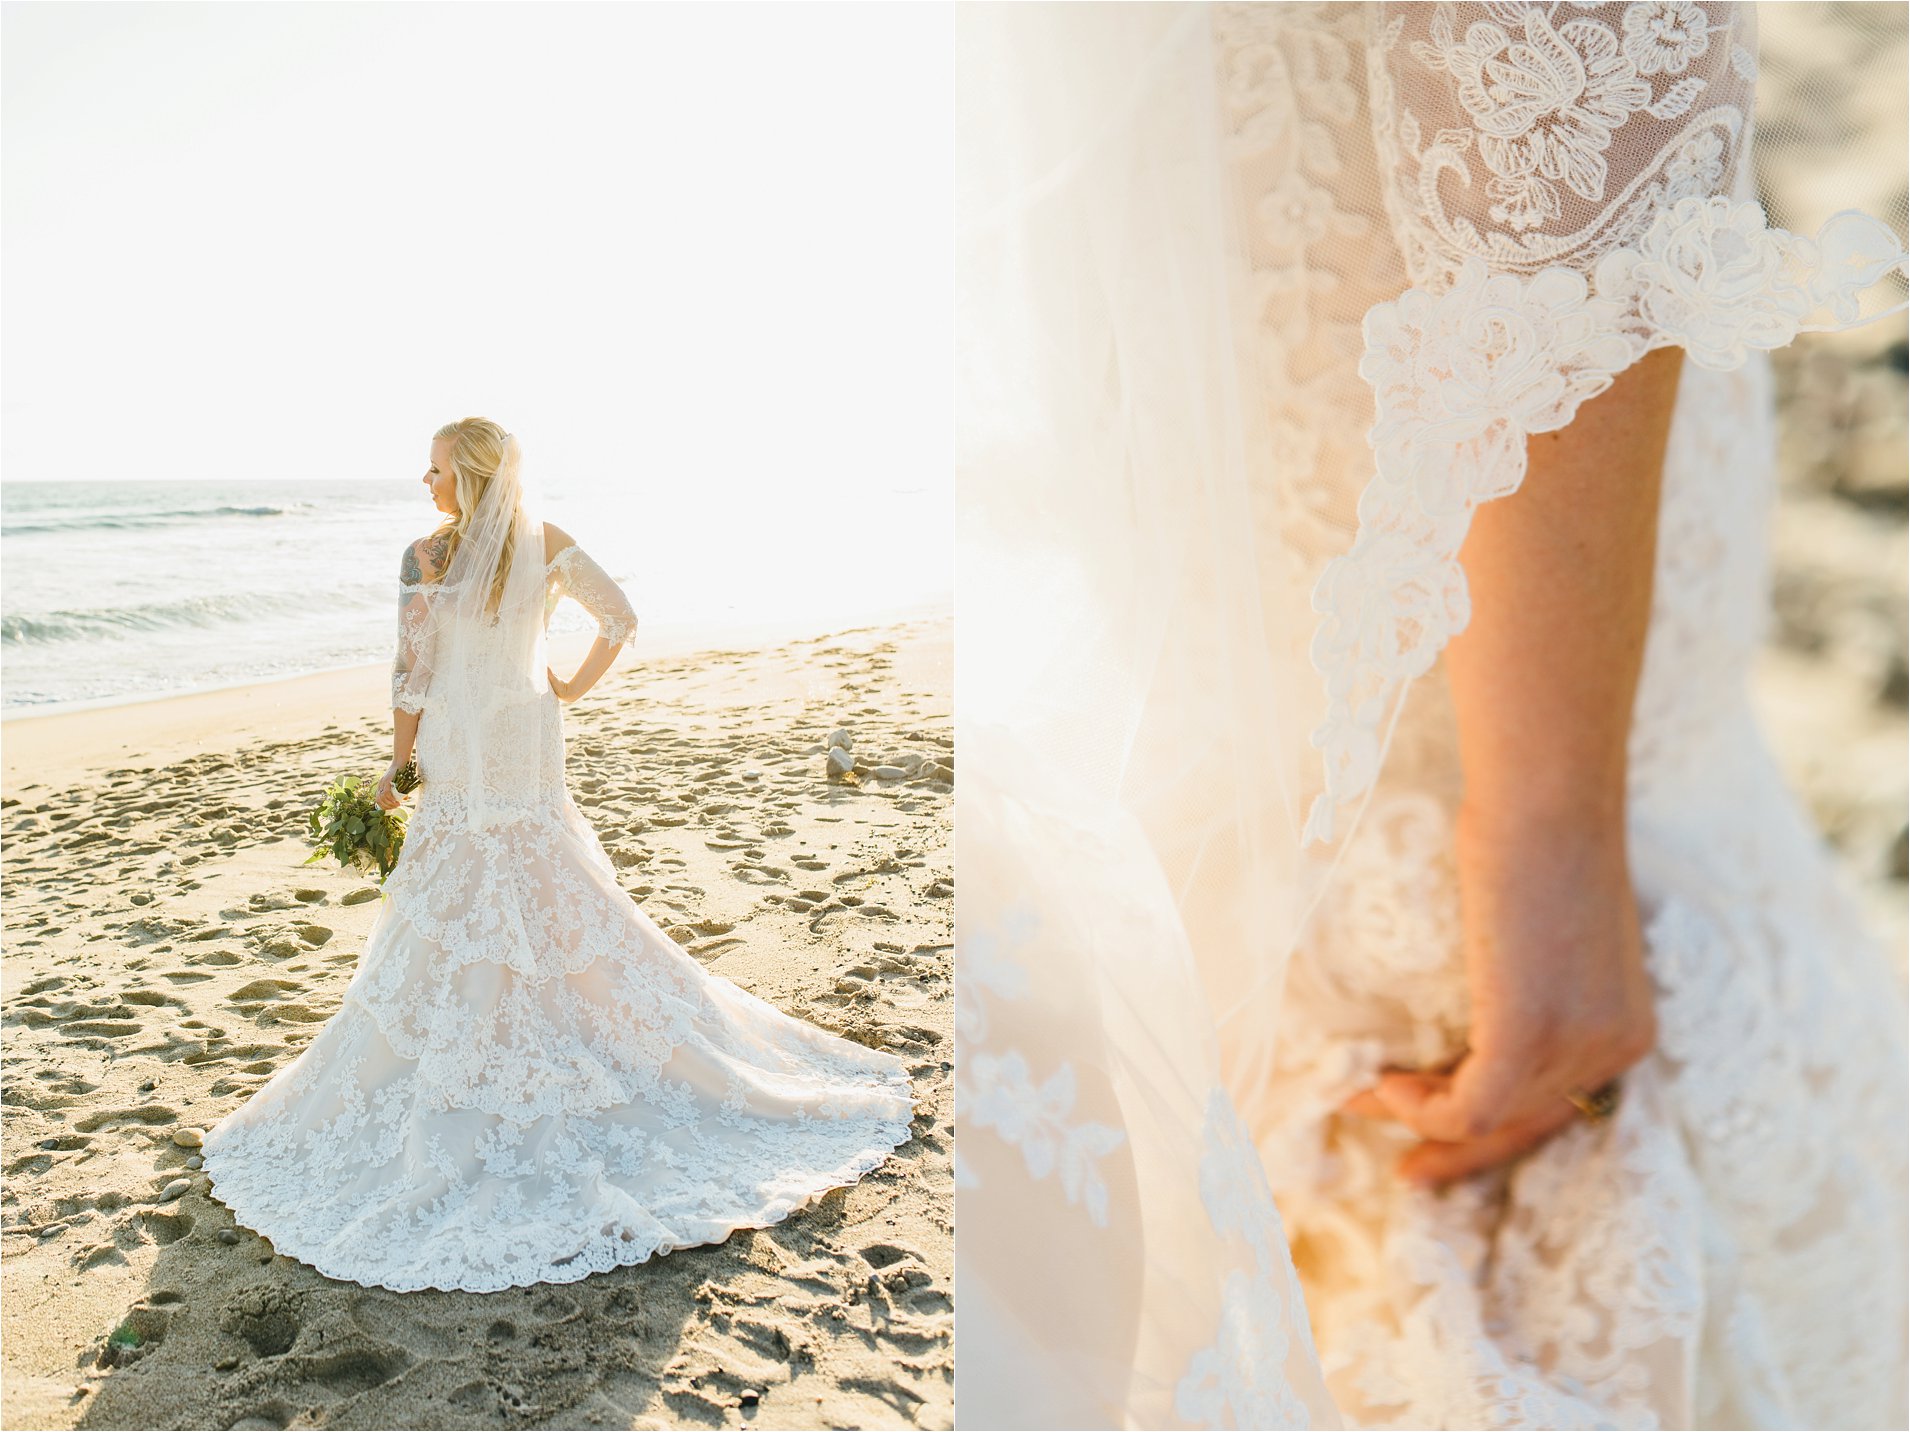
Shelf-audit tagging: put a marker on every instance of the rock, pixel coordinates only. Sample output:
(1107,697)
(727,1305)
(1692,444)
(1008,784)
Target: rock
(749,1397)
(174,1189)
(840,761)
(189,1138)
(149,1086)
(360,895)
(840,737)
(196,1161)
(1893,687)
(225,1364)
(891,773)
(140,897)
(910,761)
(228,1236)
(308,895)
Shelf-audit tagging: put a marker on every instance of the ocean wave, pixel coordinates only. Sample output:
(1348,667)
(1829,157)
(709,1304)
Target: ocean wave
(194,613)
(53,521)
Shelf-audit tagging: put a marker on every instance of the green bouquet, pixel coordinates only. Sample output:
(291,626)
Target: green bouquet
(349,824)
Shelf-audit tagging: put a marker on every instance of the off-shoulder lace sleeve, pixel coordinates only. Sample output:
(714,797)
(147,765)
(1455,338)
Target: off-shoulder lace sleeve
(411,665)
(1569,186)
(575,574)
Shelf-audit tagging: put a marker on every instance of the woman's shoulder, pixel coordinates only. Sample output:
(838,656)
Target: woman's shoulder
(555,540)
(425,559)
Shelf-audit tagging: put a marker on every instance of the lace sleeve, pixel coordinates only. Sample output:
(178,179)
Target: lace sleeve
(577,575)
(410,666)
(1569,188)
(1545,135)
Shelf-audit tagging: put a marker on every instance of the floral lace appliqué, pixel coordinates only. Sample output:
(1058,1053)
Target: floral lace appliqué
(1461,379)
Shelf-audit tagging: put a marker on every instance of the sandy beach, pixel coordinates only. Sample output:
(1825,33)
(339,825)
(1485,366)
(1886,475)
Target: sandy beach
(1832,684)
(167,952)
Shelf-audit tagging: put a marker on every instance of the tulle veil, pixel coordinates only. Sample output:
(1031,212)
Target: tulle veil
(1134,698)
(473,647)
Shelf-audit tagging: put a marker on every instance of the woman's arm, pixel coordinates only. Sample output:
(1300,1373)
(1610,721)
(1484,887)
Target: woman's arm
(1542,683)
(404,735)
(594,590)
(410,674)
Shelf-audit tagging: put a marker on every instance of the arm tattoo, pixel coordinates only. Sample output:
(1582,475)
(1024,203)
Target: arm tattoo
(425,550)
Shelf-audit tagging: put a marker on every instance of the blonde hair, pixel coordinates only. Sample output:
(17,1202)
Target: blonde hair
(480,453)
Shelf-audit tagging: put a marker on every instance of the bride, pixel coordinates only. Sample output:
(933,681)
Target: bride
(528,1081)
(1396,986)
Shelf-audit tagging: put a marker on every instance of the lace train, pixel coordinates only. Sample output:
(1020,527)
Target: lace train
(530,1082)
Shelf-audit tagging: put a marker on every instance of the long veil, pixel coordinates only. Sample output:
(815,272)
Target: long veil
(1187,636)
(1134,692)
(472,651)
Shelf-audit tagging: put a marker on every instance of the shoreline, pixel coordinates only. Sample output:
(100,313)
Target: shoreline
(71,740)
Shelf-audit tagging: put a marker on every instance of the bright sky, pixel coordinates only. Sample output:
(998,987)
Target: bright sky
(697,245)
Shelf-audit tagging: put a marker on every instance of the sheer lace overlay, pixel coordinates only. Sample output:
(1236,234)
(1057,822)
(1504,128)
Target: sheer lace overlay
(575,574)
(1567,189)
(1271,300)
(528,1081)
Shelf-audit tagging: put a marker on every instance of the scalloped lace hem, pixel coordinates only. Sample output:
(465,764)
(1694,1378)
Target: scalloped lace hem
(601,1254)
(1462,377)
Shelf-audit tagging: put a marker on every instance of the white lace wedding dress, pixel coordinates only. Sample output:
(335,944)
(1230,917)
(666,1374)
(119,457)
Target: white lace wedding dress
(1265,300)
(528,1081)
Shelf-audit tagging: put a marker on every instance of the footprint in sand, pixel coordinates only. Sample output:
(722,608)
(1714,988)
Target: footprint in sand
(298,1014)
(148,1114)
(165,1228)
(142,1329)
(148,997)
(355,1366)
(269,1319)
(219,1053)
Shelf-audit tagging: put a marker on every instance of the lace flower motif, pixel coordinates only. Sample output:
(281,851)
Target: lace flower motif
(1547,104)
(1711,276)
(1240,1380)
(1002,1095)
(1522,201)
(1664,36)
(1462,377)
(1697,169)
